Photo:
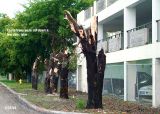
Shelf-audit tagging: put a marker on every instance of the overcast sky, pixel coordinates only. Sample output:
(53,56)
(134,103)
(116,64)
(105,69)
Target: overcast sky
(11,7)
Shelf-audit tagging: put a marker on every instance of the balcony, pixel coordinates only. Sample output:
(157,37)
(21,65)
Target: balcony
(140,35)
(158,30)
(88,13)
(110,2)
(112,43)
(100,5)
(102,44)
(115,42)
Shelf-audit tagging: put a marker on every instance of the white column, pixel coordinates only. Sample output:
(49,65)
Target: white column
(100,36)
(131,81)
(155,16)
(129,22)
(10,76)
(94,7)
(84,76)
(100,31)
(156,82)
(125,80)
(80,17)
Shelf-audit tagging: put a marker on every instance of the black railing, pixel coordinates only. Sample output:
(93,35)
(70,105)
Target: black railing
(115,36)
(157,20)
(141,27)
(88,13)
(100,5)
(140,35)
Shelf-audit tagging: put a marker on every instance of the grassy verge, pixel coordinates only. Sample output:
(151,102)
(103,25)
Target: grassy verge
(35,96)
(39,98)
(2,77)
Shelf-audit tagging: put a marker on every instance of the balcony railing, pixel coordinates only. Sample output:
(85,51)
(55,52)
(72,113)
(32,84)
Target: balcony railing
(100,5)
(88,13)
(158,30)
(110,2)
(115,42)
(112,43)
(102,44)
(140,35)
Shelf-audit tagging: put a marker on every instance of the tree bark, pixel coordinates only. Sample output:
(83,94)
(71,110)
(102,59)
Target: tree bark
(35,73)
(91,79)
(100,77)
(95,75)
(64,76)
(34,80)
(64,83)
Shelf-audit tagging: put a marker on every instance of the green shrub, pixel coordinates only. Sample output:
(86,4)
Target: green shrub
(80,104)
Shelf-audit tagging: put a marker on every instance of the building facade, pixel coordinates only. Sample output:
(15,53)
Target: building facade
(129,32)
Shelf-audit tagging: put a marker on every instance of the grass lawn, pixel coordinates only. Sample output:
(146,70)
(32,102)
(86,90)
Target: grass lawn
(2,78)
(77,101)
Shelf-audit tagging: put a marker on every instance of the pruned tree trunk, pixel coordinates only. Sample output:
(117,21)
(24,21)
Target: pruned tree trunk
(64,83)
(47,77)
(34,80)
(64,75)
(91,79)
(35,73)
(101,60)
(95,73)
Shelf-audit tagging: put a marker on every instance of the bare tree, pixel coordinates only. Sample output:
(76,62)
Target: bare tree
(35,73)
(88,41)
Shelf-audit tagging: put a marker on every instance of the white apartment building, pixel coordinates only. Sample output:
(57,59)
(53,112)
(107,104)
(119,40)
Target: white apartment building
(129,32)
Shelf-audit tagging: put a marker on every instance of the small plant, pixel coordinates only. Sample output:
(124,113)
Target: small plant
(80,104)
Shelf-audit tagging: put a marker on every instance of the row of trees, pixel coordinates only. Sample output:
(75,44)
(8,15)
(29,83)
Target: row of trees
(18,49)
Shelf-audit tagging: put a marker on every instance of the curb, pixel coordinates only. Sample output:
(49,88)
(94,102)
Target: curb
(34,107)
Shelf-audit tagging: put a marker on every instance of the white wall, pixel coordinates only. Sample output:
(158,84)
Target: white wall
(137,53)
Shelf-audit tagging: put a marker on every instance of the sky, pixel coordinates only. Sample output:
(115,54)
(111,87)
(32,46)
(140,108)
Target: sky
(11,7)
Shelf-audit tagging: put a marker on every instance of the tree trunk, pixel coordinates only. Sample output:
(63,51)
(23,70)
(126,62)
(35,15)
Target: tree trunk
(64,75)
(47,83)
(100,77)
(89,48)
(35,73)
(64,83)
(91,79)
(34,80)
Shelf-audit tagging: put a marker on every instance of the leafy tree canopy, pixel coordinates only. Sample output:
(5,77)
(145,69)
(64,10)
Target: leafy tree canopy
(20,45)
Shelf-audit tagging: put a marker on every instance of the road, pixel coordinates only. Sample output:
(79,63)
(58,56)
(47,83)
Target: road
(9,104)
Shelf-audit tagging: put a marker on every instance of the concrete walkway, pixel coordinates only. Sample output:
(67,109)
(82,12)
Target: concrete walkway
(9,104)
